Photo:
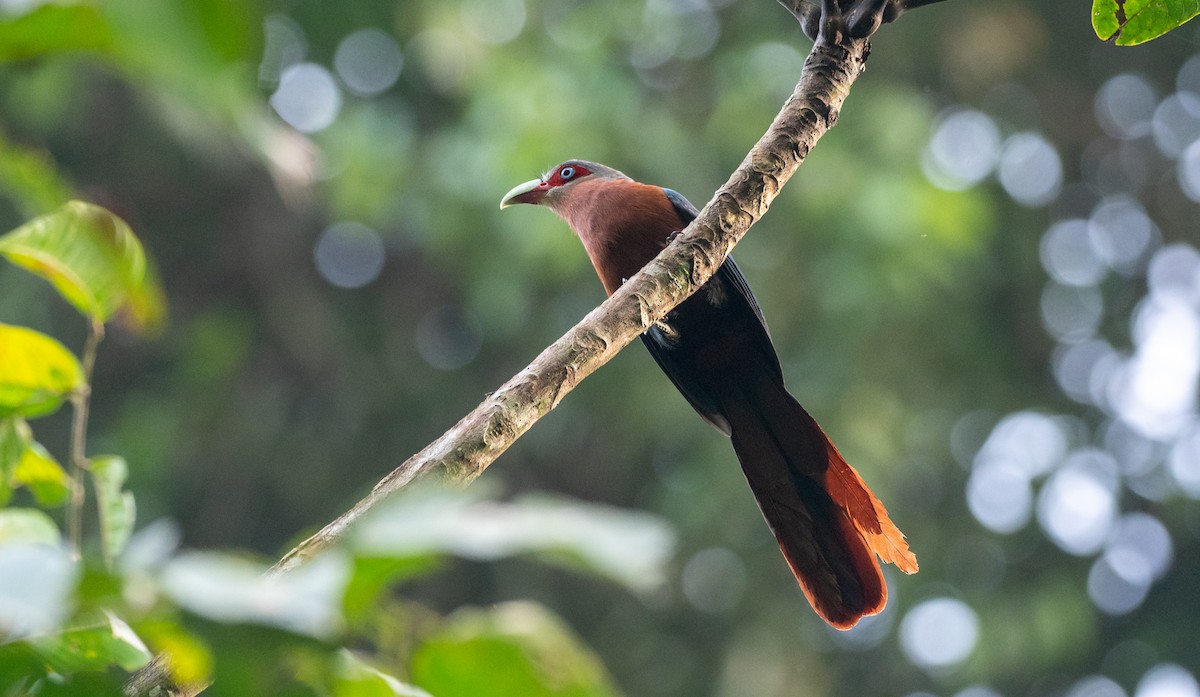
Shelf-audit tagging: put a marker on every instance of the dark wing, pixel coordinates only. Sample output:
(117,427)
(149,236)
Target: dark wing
(729,271)
(687,212)
(738,302)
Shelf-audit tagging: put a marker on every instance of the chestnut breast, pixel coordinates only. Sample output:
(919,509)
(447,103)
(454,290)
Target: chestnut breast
(623,225)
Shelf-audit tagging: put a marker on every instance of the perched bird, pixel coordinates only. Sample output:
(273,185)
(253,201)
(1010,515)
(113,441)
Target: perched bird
(715,348)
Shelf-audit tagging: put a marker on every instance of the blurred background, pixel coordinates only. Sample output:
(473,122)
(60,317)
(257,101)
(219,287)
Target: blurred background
(984,283)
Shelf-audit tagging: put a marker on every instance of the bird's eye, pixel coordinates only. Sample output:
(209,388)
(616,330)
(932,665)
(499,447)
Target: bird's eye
(566,172)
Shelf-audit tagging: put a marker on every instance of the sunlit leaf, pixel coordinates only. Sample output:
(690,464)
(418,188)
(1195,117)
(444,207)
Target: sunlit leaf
(38,471)
(36,372)
(517,649)
(95,647)
(27,525)
(372,575)
(117,507)
(29,177)
(151,546)
(1138,21)
(90,255)
(190,660)
(15,437)
(37,575)
(357,679)
(226,588)
(146,306)
(53,28)
(627,546)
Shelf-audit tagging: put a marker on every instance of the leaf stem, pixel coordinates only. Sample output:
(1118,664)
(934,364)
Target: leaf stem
(80,401)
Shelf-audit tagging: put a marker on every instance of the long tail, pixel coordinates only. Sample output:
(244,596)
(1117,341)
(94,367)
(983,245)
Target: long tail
(828,523)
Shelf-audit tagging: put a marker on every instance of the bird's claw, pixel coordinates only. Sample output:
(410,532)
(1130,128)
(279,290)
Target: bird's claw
(835,21)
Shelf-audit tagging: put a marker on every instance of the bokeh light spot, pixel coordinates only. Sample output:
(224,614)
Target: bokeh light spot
(1026,440)
(349,254)
(939,633)
(1140,539)
(1077,506)
(1068,255)
(1124,106)
(307,98)
(1184,462)
(442,56)
(1095,686)
(284,45)
(1167,680)
(1188,171)
(368,61)
(1155,390)
(448,339)
(714,580)
(1137,455)
(1121,233)
(1071,314)
(674,30)
(1084,370)
(494,21)
(1112,592)
(770,66)
(978,691)
(1188,77)
(962,151)
(1176,123)
(999,496)
(1175,272)
(1030,169)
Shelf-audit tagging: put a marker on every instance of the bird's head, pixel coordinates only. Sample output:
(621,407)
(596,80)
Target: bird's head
(555,186)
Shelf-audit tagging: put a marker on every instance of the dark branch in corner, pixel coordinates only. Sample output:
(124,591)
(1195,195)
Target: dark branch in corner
(862,17)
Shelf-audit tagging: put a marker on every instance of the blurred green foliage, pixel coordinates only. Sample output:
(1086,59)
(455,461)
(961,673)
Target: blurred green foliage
(907,315)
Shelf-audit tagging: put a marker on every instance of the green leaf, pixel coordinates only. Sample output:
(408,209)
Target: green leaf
(90,256)
(1104,18)
(40,472)
(96,647)
(226,588)
(517,649)
(1134,22)
(28,177)
(27,525)
(36,372)
(117,508)
(190,658)
(357,679)
(371,576)
(629,547)
(15,437)
(146,306)
(53,28)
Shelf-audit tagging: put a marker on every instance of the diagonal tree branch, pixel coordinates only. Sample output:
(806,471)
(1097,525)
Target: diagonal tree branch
(465,451)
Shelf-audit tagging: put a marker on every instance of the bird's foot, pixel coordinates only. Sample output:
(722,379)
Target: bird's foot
(834,21)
